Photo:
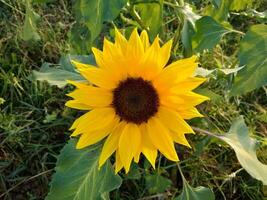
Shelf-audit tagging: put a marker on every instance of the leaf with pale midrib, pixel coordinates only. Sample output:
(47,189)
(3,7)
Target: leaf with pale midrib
(208,33)
(245,149)
(77,176)
(59,74)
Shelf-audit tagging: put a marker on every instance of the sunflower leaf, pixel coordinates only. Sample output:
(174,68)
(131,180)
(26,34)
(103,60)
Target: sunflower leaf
(245,149)
(29,31)
(151,13)
(238,5)
(252,55)
(157,183)
(208,33)
(198,193)
(90,15)
(77,175)
(59,74)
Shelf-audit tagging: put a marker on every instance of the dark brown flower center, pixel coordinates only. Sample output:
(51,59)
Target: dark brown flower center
(135,100)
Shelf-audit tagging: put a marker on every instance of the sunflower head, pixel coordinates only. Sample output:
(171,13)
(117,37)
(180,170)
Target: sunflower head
(135,101)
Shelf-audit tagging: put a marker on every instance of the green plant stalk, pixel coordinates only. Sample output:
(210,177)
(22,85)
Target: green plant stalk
(136,17)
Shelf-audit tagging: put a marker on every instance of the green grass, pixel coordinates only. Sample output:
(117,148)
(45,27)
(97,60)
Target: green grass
(34,122)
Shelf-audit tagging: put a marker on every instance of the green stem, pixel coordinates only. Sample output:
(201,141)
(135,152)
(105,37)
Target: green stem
(180,2)
(180,170)
(239,32)
(136,17)
(206,132)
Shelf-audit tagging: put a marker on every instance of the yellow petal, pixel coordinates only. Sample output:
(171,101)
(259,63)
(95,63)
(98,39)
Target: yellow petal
(187,85)
(165,52)
(99,57)
(135,49)
(183,100)
(175,72)
(147,148)
(120,40)
(189,113)
(118,163)
(173,120)
(192,99)
(129,144)
(161,139)
(150,64)
(111,143)
(180,138)
(92,137)
(94,120)
(92,96)
(95,75)
(145,40)
(77,105)
(137,156)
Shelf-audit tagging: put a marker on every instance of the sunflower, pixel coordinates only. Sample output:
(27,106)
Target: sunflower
(135,100)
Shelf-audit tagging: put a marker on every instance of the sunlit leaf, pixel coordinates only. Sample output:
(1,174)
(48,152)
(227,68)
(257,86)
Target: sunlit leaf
(231,70)
(238,5)
(245,149)
(200,71)
(252,54)
(29,31)
(189,13)
(59,74)
(151,13)
(77,175)
(208,33)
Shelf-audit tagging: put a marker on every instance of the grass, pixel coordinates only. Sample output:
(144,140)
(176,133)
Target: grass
(34,122)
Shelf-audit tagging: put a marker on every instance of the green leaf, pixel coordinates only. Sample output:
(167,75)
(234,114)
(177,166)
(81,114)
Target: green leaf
(218,10)
(238,5)
(200,71)
(78,177)
(59,74)
(208,33)
(134,172)
(212,95)
(252,54)
(198,193)
(80,39)
(29,31)
(186,38)
(245,149)
(230,70)
(151,13)
(90,16)
(112,9)
(157,183)
(188,29)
